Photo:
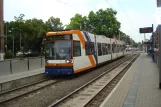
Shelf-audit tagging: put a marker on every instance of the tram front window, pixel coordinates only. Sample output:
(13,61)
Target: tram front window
(59,50)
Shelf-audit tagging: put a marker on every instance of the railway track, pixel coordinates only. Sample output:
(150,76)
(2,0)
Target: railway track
(82,96)
(25,90)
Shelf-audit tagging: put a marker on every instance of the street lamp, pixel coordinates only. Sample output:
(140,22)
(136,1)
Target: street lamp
(12,40)
(20,39)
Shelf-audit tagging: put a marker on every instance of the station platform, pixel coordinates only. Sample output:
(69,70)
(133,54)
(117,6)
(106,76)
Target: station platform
(11,81)
(139,87)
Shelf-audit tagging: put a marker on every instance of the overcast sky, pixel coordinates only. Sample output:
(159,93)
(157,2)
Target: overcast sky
(132,14)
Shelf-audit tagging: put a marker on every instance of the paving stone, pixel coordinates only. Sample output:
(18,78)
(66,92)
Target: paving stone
(139,87)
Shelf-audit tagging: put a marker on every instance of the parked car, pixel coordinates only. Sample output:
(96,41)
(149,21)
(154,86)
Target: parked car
(19,53)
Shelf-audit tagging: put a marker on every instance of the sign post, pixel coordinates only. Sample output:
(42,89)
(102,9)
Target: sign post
(146,30)
(152,46)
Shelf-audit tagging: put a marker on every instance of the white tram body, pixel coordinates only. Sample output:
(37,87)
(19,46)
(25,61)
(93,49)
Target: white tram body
(75,51)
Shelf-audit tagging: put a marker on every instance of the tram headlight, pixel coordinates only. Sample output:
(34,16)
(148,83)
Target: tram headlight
(68,61)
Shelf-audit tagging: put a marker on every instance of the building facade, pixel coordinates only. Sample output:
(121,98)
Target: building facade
(156,39)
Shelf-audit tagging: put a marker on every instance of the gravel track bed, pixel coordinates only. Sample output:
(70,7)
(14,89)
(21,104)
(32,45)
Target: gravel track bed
(97,101)
(48,95)
(19,92)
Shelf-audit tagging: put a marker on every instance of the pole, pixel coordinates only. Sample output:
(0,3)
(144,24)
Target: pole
(20,40)
(13,42)
(119,35)
(6,36)
(152,44)
(1,27)
(144,43)
(159,33)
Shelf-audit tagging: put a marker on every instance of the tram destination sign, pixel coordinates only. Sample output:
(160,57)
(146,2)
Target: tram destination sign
(146,30)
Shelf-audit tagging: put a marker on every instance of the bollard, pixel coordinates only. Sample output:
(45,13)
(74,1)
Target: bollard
(11,66)
(41,61)
(28,64)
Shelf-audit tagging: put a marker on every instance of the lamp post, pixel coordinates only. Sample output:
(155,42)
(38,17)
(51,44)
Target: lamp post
(6,38)
(20,39)
(13,43)
(12,40)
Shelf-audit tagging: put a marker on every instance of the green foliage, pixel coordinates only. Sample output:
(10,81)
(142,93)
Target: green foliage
(57,24)
(77,22)
(135,44)
(8,54)
(32,31)
(103,22)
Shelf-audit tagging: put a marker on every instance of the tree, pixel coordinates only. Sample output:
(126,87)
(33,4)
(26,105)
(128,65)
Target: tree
(54,24)
(32,32)
(135,44)
(77,22)
(103,22)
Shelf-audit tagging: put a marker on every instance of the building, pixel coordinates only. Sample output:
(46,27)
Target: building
(156,39)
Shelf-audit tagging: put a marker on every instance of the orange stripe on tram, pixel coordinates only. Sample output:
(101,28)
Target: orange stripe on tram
(82,69)
(92,60)
(80,36)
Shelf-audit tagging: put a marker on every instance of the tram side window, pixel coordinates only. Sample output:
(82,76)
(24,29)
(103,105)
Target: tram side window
(109,48)
(103,49)
(99,49)
(113,48)
(107,51)
(122,48)
(77,48)
(92,48)
(118,48)
(89,47)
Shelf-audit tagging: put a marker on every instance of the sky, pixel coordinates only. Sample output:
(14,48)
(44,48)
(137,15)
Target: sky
(133,14)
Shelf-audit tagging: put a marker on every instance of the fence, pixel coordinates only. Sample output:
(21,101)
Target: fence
(15,66)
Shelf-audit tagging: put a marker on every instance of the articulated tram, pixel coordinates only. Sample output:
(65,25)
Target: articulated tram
(74,51)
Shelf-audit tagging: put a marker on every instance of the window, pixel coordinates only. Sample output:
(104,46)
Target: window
(58,50)
(122,48)
(92,48)
(118,48)
(113,48)
(104,50)
(99,49)
(109,48)
(77,48)
(59,37)
(89,47)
